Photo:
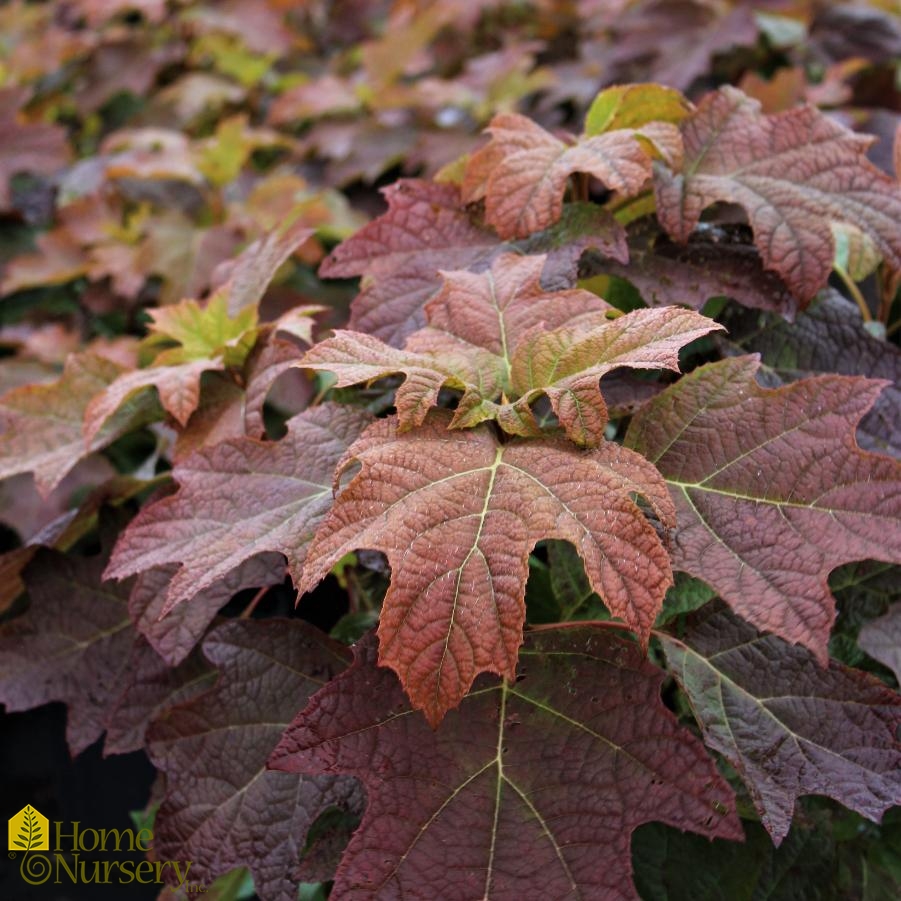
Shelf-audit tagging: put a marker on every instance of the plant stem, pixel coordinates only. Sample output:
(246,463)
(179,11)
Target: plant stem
(248,610)
(854,291)
(575,623)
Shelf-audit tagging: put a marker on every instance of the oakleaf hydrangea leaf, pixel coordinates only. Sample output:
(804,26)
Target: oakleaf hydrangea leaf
(426,229)
(787,725)
(523,170)
(881,639)
(223,808)
(211,528)
(542,780)
(492,335)
(42,424)
(457,514)
(189,331)
(771,489)
(72,645)
(795,173)
(173,635)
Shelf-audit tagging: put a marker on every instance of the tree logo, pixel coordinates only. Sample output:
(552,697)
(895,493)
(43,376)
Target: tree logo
(29,831)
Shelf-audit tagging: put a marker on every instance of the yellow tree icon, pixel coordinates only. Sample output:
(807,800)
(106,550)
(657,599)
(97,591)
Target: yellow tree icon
(29,831)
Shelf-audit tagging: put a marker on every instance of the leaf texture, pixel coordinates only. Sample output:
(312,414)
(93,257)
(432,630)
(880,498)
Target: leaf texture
(72,645)
(713,263)
(523,170)
(794,173)
(174,634)
(503,341)
(223,808)
(829,336)
(178,388)
(541,781)
(457,514)
(425,229)
(771,489)
(211,529)
(787,725)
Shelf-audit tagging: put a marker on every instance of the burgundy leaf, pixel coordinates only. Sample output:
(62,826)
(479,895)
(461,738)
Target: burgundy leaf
(787,725)
(211,528)
(223,808)
(174,634)
(72,645)
(426,229)
(771,489)
(531,789)
(794,173)
(881,639)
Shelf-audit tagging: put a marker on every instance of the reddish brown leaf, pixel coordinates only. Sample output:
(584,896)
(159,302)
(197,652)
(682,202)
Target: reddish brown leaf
(788,726)
(174,634)
(178,388)
(243,281)
(42,424)
(271,358)
(674,41)
(771,489)
(457,514)
(56,260)
(223,808)
(567,363)
(713,263)
(219,416)
(829,337)
(151,686)
(541,784)
(794,173)
(522,172)
(208,527)
(503,341)
(426,229)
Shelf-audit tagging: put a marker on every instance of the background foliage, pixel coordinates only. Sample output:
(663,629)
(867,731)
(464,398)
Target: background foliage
(176,182)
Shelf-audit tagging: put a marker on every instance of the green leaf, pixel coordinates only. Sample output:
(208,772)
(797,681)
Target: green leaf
(634,105)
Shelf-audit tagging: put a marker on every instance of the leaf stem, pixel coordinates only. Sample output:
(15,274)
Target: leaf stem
(575,623)
(248,610)
(854,291)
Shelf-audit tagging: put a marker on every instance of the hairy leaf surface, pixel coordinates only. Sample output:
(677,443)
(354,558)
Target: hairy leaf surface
(211,528)
(788,726)
(457,514)
(223,808)
(531,789)
(771,489)
(794,173)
